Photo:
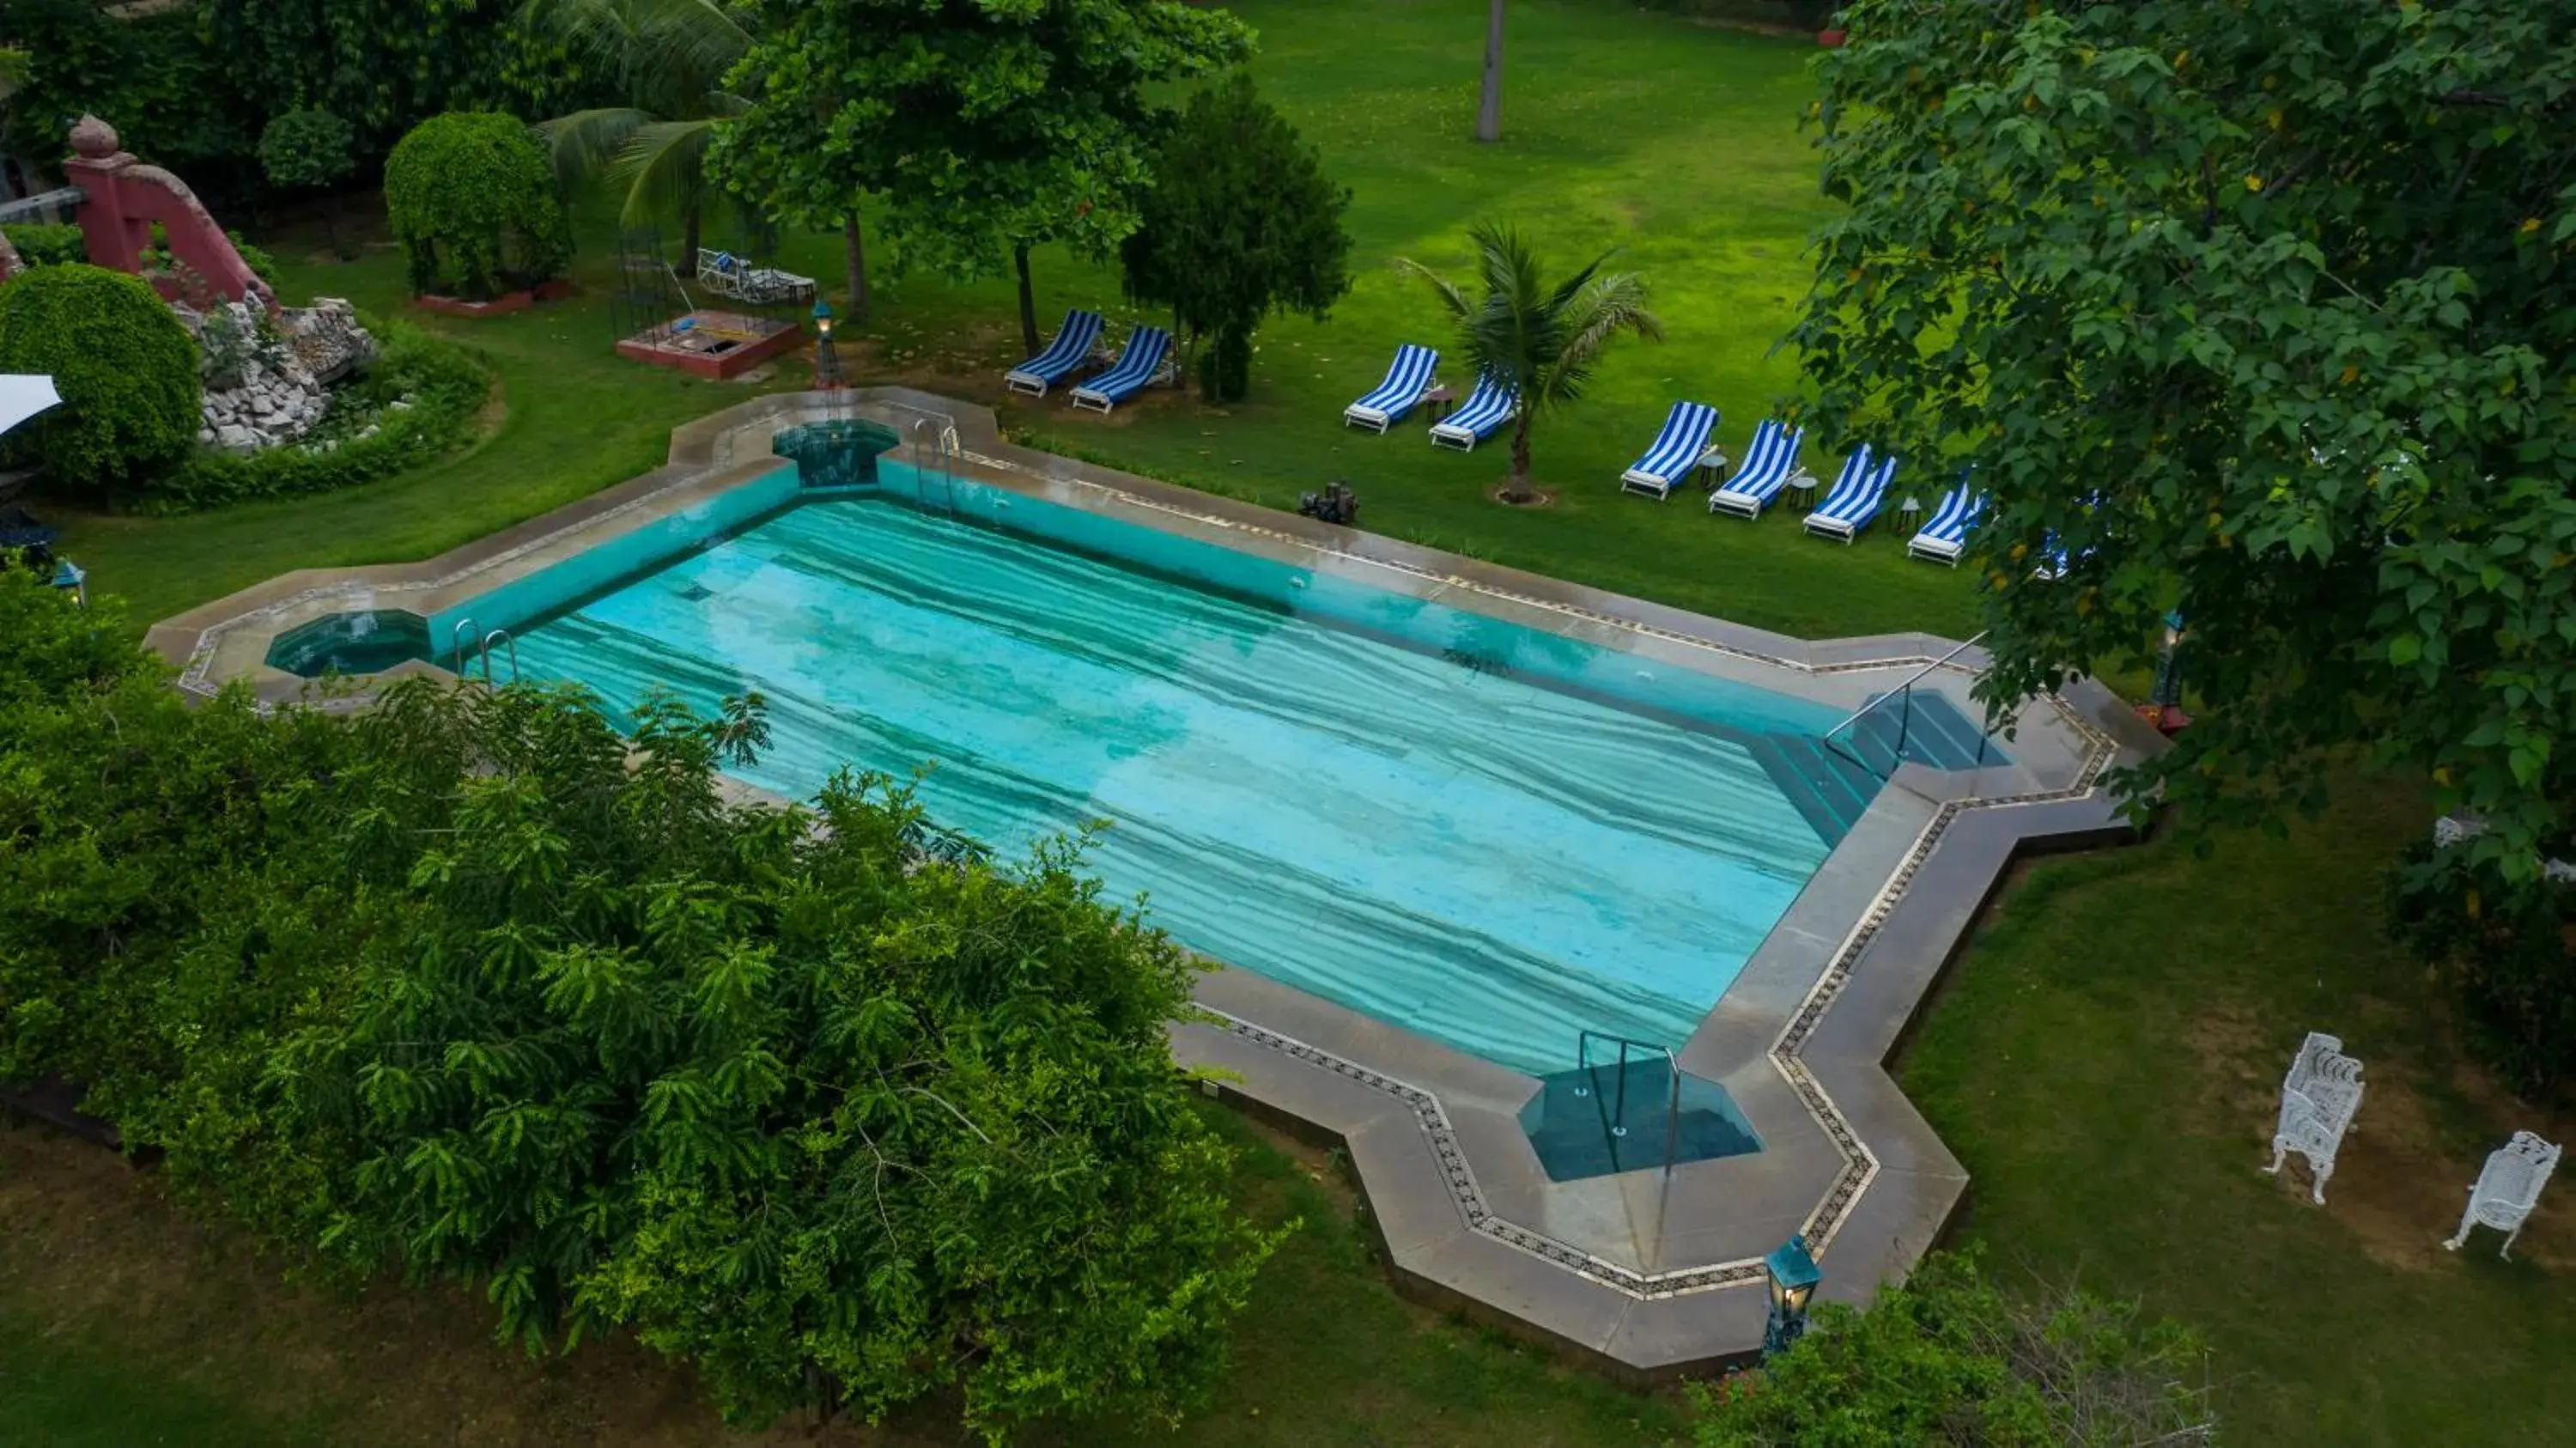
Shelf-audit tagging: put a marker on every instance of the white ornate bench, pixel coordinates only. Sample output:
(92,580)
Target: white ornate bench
(2507,1188)
(2318,1099)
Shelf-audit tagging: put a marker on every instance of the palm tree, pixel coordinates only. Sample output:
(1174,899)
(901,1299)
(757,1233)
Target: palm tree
(1543,340)
(669,59)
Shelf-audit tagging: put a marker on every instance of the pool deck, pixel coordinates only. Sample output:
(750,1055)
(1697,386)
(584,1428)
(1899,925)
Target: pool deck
(1648,1274)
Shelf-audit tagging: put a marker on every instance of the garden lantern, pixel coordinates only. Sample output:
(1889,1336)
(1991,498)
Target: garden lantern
(1793,1276)
(827,365)
(2163,708)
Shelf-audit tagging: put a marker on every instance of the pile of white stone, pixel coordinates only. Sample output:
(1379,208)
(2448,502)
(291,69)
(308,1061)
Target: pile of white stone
(267,378)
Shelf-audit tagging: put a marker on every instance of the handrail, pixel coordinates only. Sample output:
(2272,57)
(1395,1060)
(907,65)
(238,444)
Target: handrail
(1911,680)
(458,635)
(486,654)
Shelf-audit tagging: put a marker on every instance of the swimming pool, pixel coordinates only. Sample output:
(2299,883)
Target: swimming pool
(1485,833)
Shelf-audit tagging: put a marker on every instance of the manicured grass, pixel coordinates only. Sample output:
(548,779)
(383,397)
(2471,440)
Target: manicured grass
(1675,143)
(2107,1062)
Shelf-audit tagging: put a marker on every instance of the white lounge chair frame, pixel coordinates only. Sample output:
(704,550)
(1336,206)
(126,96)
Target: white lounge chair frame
(1770,465)
(2318,1099)
(1945,538)
(1856,498)
(2507,1188)
(1671,456)
(1090,394)
(1412,376)
(1047,368)
(726,275)
(1448,433)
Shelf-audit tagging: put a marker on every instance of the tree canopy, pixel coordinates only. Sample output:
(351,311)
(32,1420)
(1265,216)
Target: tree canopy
(989,129)
(1241,222)
(466,986)
(2261,312)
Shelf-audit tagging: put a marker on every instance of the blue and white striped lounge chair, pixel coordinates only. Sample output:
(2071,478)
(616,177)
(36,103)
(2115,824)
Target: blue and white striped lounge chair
(1488,407)
(1857,496)
(1147,350)
(1406,381)
(1770,461)
(1946,537)
(1676,450)
(1073,345)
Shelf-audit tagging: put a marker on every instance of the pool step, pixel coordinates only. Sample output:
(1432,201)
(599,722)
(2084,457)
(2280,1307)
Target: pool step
(1828,791)
(1582,1123)
(1831,785)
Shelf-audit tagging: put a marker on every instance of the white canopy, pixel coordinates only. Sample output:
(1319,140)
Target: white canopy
(22,397)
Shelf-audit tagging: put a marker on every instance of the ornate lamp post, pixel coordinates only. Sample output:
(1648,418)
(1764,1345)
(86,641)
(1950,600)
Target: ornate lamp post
(827,365)
(1793,1277)
(2163,708)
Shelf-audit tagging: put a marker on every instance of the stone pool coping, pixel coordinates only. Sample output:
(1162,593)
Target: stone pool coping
(1648,1274)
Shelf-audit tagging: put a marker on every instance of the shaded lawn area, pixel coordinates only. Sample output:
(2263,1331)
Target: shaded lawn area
(2107,1062)
(123,1322)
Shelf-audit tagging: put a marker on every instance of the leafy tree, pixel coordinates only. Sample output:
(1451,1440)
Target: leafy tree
(1542,339)
(1947,1357)
(1241,222)
(2508,947)
(388,65)
(126,369)
(169,94)
(666,62)
(310,150)
(2262,311)
(990,129)
(467,985)
(472,200)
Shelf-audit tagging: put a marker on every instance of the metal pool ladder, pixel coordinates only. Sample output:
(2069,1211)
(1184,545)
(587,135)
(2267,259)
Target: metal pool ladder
(485,652)
(935,454)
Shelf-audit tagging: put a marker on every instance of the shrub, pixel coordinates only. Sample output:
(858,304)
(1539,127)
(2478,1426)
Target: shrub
(1948,1357)
(306,150)
(126,369)
(472,200)
(40,245)
(445,388)
(464,985)
(2508,948)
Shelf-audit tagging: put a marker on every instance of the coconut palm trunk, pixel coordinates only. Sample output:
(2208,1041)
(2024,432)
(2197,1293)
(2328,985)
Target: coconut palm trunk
(1518,490)
(1489,102)
(854,261)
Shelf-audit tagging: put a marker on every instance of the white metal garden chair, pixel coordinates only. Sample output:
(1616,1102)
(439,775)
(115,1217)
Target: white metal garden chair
(2318,1099)
(2507,1188)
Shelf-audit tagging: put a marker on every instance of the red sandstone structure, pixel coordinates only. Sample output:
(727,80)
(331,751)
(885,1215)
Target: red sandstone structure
(122,198)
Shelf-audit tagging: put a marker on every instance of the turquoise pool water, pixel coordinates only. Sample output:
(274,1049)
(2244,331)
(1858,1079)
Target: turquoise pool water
(1488,834)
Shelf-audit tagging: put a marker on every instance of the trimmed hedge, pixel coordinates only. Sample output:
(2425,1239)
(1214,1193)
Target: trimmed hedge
(126,369)
(41,245)
(472,200)
(446,389)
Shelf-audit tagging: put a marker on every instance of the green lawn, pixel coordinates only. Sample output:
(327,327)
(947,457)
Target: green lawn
(2105,1058)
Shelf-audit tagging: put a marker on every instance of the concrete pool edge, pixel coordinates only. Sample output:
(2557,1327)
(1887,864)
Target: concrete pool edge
(1807,1038)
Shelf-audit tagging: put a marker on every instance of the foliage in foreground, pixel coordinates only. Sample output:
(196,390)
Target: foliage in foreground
(2265,312)
(1241,222)
(1543,338)
(126,369)
(1948,1357)
(459,985)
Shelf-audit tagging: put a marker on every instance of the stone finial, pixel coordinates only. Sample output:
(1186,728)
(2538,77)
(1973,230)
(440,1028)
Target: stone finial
(93,139)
